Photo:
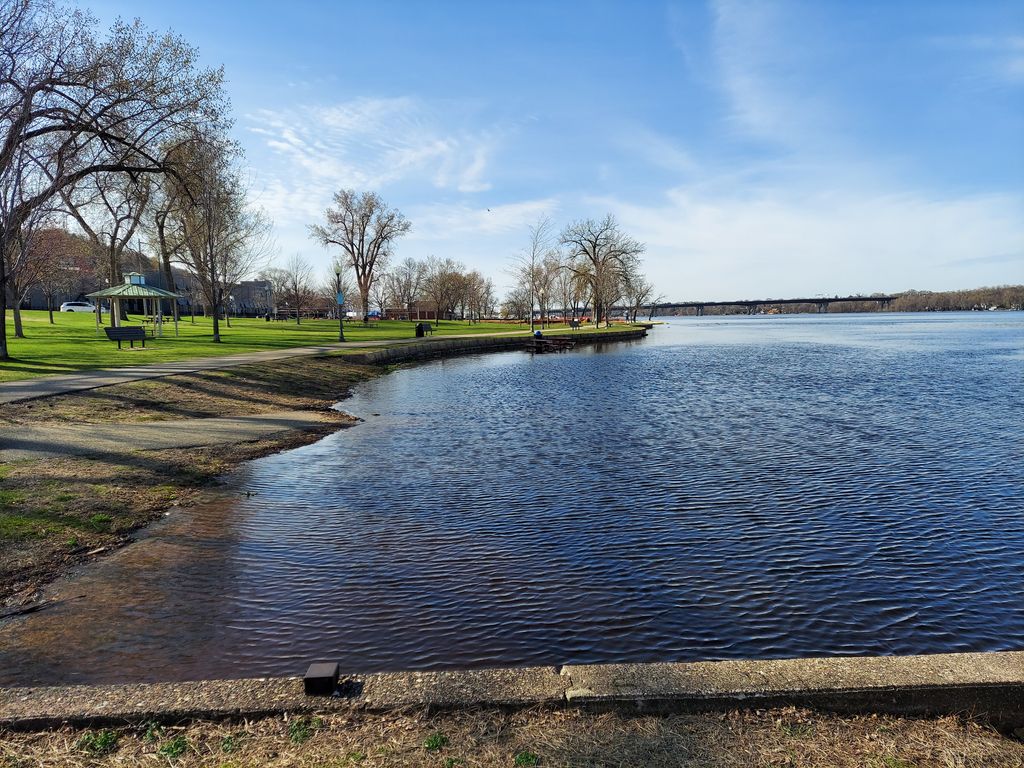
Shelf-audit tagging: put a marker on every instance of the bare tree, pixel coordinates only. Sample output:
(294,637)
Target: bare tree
(63,262)
(365,229)
(297,288)
(109,207)
(163,223)
(443,285)
(653,303)
(73,105)
(571,289)
(405,282)
(518,304)
(224,239)
(636,291)
(479,295)
(528,269)
(337,279)
(602,253)
(380,294)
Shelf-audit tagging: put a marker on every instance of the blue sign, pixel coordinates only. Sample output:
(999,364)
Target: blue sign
(341,298)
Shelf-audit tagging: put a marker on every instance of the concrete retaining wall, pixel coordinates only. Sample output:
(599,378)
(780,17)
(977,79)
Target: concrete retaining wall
(442,347)
(985,685)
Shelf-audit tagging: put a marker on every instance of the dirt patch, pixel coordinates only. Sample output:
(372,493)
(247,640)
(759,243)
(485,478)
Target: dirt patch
(784,738)
(58,512)
(293,384)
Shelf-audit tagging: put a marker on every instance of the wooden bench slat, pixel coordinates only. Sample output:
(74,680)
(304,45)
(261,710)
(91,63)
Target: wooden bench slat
(129,333)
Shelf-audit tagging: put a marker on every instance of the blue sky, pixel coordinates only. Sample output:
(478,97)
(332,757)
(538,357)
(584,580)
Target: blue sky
(758,148)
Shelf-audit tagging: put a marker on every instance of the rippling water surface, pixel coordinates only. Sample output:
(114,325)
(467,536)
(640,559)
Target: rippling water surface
(726,488)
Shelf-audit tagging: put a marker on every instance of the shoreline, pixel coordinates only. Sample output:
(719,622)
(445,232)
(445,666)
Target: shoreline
(55,520)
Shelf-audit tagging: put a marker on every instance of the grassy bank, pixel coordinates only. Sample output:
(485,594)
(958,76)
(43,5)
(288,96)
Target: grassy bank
(74,344)
(785,738)
(57,512)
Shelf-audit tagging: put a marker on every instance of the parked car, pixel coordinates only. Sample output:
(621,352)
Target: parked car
(77,306)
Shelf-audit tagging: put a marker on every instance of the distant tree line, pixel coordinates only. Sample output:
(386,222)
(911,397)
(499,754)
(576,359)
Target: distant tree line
(997,297)
(360,231)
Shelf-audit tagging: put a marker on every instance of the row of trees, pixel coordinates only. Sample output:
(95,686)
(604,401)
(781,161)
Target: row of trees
(126,134)
(444,286)
(589,264)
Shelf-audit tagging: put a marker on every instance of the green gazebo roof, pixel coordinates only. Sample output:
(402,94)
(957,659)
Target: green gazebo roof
(132,291)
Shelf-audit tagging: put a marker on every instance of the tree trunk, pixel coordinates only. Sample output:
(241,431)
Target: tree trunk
(165,259)
(12,294)
(216,315)
(3,313)
(49,307)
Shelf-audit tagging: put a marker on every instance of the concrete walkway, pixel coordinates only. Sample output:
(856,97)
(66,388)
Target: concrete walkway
(48,386)
(986,685)
(35,441)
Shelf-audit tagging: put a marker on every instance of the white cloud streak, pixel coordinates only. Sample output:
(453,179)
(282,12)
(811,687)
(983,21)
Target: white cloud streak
(363,144)
(729,248)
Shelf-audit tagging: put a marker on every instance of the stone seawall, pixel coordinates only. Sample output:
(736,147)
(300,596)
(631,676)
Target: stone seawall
(442,347)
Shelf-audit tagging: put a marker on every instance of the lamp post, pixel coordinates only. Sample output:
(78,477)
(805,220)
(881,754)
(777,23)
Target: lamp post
(341,302)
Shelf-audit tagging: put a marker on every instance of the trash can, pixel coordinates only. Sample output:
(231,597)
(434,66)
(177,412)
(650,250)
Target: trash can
(419,331)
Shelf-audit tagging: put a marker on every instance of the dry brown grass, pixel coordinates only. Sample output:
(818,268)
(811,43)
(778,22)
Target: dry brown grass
(298,384)
(787,738)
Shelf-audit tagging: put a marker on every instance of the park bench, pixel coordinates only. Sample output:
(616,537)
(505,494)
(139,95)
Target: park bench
(129,333)
(424,329)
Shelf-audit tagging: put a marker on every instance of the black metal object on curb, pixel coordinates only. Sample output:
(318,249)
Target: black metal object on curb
(321,678)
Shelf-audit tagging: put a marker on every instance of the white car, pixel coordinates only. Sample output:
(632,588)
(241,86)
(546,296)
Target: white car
(77,306)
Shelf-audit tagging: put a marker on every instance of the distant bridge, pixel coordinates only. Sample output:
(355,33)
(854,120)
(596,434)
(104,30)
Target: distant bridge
(752,305)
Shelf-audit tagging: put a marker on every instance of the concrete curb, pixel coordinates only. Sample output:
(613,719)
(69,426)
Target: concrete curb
(989,686)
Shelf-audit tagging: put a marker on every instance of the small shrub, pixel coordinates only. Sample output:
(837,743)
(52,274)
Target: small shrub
(98,742)
(797,730)
(527,758)
(174,748)
(302,728)
(153,733)
(435,741)
(101,522)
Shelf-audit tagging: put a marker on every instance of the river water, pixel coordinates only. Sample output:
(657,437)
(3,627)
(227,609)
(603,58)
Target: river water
(745,487)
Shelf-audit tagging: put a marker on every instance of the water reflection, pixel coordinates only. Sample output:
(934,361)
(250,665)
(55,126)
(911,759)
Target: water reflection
(746,487)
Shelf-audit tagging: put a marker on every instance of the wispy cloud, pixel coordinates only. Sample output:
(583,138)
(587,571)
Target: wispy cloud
(855,241)
(656,149)
(365,144)
(1001,57)
(763,76)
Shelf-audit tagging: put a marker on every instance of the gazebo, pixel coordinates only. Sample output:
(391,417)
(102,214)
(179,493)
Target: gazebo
(133,287)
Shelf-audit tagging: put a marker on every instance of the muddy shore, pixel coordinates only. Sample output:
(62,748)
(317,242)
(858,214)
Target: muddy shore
(60,510)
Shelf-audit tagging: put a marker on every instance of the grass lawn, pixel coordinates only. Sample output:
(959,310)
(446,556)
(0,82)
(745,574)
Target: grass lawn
(74,344)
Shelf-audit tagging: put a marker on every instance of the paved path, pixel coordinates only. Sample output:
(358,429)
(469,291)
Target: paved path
(35,441)
(47,386)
